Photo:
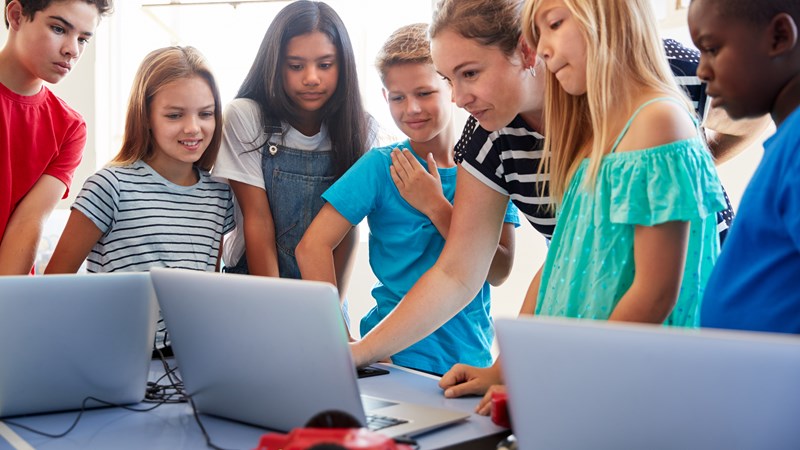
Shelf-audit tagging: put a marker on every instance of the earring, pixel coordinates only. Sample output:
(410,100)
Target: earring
(532,70)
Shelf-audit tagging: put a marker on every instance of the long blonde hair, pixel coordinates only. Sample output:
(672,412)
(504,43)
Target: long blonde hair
(624,54)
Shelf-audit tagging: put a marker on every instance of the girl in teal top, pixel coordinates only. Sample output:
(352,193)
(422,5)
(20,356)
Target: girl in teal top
(635,237)
(592,261)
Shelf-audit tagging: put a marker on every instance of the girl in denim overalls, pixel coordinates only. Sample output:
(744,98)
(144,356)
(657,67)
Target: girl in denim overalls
(295,126)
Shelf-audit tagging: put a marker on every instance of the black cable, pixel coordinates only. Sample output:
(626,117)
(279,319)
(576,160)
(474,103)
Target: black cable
(202,428)
(155,393)
(173,392)
(78,418)
(170,392)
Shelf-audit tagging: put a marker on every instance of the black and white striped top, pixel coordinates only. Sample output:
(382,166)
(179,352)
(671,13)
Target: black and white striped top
(507,160)
(148,221)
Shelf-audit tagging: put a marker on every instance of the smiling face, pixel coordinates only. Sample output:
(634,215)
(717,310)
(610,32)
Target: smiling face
(486,82)
(310,70)
(729,50)
(419,100)
(50,43)
(562,45)
(182,124)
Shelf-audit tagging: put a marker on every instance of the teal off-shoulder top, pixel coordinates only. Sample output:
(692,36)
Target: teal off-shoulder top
(590,264)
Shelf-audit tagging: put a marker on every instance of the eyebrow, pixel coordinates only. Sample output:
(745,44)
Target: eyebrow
(181,108)
(300,58)
(461,66)
(70,26)
(542,14)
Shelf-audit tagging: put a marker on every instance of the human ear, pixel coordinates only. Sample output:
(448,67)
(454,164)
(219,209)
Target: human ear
(528,53)
(14,15)
(782,34)
(385,95)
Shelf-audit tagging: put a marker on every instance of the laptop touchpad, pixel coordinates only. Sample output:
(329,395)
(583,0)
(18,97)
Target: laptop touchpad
(372,403)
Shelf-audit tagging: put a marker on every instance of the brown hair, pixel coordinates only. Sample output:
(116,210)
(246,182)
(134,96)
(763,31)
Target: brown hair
(490,22)
(407,45)
(158,69)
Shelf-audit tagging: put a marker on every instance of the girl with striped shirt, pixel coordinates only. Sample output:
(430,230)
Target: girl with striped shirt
(155,205)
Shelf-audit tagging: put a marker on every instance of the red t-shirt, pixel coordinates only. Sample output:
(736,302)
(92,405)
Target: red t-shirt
(39,134)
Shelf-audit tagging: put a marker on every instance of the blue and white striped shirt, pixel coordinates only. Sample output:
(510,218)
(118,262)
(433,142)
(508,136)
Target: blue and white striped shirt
(148,221)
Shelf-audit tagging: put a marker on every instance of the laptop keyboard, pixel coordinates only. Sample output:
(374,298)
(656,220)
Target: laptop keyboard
(377,422)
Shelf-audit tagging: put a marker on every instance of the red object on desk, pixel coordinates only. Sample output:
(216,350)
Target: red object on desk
(500,409)
(348,438)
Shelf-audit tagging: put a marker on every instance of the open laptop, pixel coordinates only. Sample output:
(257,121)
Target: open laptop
(64,338)
(271,352)
(585,384)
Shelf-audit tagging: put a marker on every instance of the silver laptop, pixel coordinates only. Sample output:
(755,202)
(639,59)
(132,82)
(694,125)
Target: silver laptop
(64,338)
(271,352)
(584,384)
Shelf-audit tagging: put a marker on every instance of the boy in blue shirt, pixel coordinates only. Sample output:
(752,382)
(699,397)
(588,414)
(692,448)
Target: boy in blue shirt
(406,191)
(750,58)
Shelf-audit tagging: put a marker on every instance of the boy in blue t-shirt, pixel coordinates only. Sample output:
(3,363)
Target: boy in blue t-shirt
(750,58)
(406,191)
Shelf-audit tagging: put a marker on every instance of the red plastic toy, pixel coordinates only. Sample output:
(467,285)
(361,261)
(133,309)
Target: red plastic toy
(348,438)
(500,409)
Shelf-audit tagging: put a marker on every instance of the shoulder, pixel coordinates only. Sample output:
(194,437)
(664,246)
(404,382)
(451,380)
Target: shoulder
(377,157)
(105,182)
(57,105)
(659,123)
(208,180)
(242,109)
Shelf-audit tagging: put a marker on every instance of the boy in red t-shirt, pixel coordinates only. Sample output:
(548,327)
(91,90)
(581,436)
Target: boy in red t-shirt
(41,137)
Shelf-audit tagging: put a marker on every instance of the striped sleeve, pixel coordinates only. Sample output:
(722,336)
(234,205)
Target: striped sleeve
(507,160)
(99,199)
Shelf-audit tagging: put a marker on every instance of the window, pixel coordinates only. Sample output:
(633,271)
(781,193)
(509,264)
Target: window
(229,34)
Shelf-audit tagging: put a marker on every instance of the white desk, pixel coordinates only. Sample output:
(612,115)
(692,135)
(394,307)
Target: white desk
(172,426)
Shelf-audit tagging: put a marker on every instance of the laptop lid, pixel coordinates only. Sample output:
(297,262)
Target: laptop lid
(585,384)
(271,352)
(64,338)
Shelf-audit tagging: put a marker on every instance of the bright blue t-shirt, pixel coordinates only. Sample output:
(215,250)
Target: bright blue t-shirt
(403,245)
(756,282)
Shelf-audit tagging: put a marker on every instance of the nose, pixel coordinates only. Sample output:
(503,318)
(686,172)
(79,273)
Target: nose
(310,77)
(543,48)
(191,125)
(412,106)
(704,72)
(71,48)
(461,96)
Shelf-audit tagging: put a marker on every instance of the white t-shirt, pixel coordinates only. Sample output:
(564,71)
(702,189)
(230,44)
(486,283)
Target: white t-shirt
(239,158)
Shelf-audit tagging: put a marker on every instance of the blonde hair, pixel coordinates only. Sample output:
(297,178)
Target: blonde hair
(407,45)
(623,50)
(158,69)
